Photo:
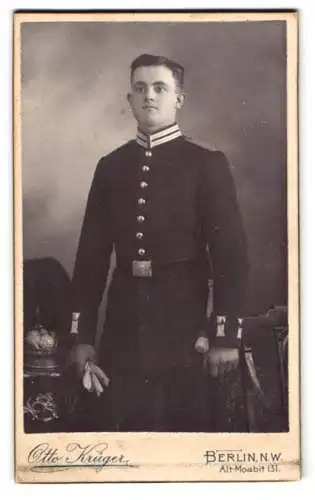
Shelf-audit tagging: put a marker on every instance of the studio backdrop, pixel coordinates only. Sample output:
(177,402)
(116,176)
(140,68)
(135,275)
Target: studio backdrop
(75,78)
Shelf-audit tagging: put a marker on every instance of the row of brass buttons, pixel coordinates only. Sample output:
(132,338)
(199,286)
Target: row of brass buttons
(141,202)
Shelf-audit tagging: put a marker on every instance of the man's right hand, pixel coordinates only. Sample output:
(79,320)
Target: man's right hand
(83,356)
(80,354)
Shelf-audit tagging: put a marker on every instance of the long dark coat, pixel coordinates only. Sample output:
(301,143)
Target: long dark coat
(190,205)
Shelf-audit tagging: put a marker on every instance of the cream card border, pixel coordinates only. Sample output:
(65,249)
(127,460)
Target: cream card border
(156,456)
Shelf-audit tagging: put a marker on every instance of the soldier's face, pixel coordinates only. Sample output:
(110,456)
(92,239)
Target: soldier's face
(154,97)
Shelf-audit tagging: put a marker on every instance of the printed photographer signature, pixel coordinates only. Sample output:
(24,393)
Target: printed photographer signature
(96,455)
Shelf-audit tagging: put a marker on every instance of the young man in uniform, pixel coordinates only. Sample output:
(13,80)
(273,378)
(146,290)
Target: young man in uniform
(169,209)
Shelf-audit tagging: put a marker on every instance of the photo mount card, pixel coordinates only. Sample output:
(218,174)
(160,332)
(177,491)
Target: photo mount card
(117,379)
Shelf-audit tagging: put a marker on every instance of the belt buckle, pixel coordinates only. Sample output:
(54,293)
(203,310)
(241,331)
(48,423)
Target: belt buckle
(142,268)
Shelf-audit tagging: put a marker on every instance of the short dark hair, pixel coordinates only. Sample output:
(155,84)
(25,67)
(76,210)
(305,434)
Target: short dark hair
(151,60)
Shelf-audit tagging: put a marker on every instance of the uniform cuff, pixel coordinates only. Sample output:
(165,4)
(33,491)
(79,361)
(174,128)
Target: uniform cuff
(226,331)
(83,327)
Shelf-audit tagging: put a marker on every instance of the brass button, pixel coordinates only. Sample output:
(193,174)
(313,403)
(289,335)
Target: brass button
(148,153)
(141,252)
(143,184)
(139,236)
(141,201)
(145,168)
(140,218)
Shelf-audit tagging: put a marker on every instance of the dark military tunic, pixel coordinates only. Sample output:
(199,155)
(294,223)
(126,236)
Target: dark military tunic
(169,204)
(173,203)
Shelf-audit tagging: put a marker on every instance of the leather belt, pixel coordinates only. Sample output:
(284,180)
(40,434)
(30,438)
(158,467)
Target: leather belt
(149,268)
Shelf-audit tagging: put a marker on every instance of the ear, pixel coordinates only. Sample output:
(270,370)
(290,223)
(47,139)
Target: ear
(129,98)
(180,100)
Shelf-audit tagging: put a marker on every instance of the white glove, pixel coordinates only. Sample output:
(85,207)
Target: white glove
(94,379)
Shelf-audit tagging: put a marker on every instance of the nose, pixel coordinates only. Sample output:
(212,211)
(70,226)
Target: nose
(149,95)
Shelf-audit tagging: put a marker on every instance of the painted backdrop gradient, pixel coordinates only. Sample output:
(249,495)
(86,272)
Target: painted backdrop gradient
(74,110)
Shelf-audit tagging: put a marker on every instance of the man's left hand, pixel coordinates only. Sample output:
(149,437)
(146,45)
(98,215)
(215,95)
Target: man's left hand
(222,360)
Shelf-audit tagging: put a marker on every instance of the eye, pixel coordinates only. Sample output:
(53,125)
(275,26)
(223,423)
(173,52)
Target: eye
(159,88)
(139,89)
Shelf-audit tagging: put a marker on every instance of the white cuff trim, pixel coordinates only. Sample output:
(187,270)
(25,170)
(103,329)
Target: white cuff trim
(240,328)
(75,322)
(221,320)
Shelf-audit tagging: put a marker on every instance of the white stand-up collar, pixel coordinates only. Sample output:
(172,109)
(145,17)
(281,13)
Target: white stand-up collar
(149,141)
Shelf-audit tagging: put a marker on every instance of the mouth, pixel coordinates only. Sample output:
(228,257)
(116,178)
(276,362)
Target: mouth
(150,107)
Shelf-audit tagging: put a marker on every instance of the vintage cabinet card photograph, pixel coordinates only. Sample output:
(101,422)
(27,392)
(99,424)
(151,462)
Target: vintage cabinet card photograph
(156,246)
